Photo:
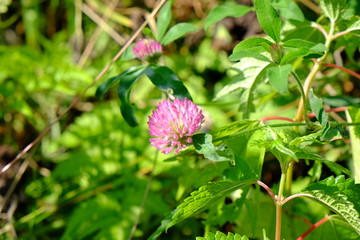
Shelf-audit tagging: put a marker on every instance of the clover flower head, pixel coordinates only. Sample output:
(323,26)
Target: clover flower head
(146,48)
(173,123)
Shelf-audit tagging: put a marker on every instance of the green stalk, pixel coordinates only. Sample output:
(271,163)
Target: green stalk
(279,204)
(314,71)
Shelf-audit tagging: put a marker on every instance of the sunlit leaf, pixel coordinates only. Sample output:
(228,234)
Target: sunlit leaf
(278,77)
(221,236)
(268,18)
(254,44)
(341,195)
(353,115)
(332,8)
(163,20)
(199,201)
(220,12)
(177,31)
(239,54)
(204,145)
(289,10)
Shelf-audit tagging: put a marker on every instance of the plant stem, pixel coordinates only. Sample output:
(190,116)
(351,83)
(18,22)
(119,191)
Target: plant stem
(279,204)
(314,71)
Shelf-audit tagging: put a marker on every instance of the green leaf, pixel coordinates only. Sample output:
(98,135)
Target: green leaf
(268,18)
(289,10)
(233,128)
(294,44)
(199,201)
(163,20)
(127,79)
(317,106)
(203,145)
(254,44)
(239,54)
(353,115)
(332,8)
(220,12)
(341,195)
(104,87)
(221,236)
(278,77)
(177,31)
(166,80)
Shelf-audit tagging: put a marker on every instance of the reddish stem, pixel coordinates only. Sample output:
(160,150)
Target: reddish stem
(352,73)
(339,109)
(276,118)
(272,195)
(313,227)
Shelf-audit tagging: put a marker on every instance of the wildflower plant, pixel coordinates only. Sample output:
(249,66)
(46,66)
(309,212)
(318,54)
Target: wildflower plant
(270,60)
(238,178)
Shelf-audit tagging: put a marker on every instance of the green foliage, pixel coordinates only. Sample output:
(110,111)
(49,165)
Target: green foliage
(269,19)
(341,195)
(222,236)
(177,31)
(220,12)
(200,200)
(96,176)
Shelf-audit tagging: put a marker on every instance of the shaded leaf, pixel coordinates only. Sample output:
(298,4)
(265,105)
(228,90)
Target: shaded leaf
(127,79)
(268,18)
(177,31)
(220,12)
(166,80)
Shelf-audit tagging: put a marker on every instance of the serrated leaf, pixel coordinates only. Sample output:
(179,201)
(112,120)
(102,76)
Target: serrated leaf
(199,201)
(353,115)
(204,145)
(166,80)
(222,236)
(239,54)
(177,31)
(268,18)
(332,8)
(254,44)
(127,79)
(220,12)
(163,20)
(278,77)
(355,26)
(341,195)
